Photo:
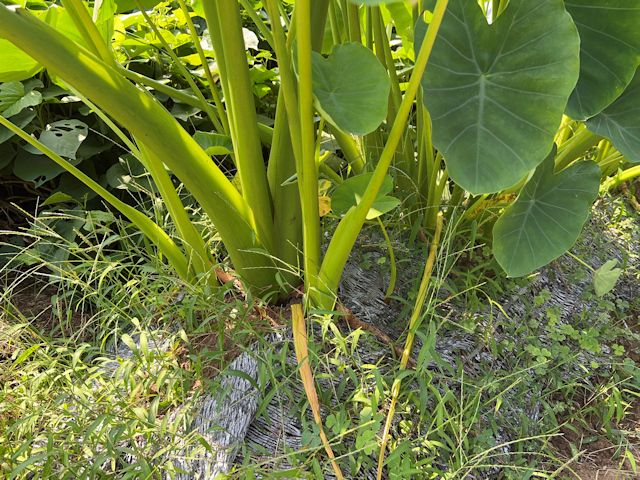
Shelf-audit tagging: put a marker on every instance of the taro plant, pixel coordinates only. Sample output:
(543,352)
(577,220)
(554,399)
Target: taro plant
(473,104)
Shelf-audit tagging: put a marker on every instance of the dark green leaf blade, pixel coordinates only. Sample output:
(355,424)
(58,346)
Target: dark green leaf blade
(496,93)
(546,218)
(351,88)
(620,121)
(609,52)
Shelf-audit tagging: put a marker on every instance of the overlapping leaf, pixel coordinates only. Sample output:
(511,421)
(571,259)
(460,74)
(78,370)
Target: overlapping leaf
(351,191)
(609,52)
(547,217)
(351,88)
(620,121)
(496,93)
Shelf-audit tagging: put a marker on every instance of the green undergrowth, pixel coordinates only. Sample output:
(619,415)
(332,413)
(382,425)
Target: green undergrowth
(62,417)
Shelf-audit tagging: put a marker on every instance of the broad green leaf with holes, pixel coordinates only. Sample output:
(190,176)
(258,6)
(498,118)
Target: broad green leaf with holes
(351,88)
(606,277)
(609,52)
(13,98)
(63,137)
(350,192)
(496,93)
(620,121)
(214,143)
(546,218)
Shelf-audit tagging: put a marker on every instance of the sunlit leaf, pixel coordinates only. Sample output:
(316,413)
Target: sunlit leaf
(606,277)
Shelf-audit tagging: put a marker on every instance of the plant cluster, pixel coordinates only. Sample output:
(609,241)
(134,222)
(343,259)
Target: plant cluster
(499,122)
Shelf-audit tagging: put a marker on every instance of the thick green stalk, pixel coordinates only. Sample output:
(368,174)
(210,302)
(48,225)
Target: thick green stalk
(426,161)
(355,35)
(576,147)
(350,149)
(404,158)
(319,13)
(368,31)
(245,134)
(348,229)
(205,65)
(164,243)
(344,8)
(286,154)
(192,240)
(625,175)
(308,176)
(335,26)
(152,124)
(288,87)
(287,209)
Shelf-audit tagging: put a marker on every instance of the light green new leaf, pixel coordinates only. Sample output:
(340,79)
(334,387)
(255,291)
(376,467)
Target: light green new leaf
(16,65)
(57,197)
(606,277)
(351,88)
(350,192)
(214,143)
(620,121)
(546,218)
(496,93)
(13,99)
(609,52)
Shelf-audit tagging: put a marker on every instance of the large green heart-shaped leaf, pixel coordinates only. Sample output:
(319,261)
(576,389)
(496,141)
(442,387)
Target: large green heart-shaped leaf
(546,218)
(620,121)
(351,88)
(496,93)
(350,192)
(609,52)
